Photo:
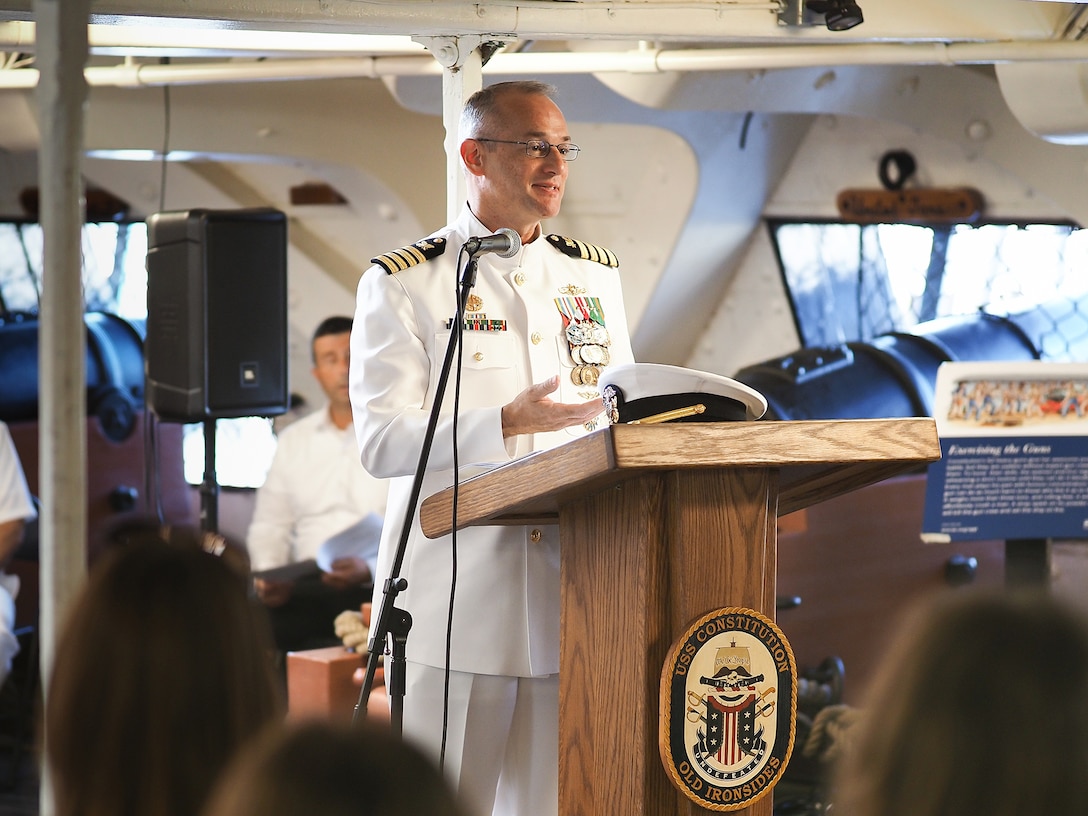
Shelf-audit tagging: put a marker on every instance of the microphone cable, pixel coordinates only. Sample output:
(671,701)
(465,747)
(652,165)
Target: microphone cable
(458,329)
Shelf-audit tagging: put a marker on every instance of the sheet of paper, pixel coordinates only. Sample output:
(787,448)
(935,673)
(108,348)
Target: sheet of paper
(360,540)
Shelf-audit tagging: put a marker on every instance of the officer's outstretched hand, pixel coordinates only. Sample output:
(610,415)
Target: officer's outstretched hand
(533,411)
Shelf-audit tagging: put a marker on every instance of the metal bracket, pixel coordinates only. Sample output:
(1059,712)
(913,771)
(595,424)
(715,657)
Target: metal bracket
(795,14)
(451,52)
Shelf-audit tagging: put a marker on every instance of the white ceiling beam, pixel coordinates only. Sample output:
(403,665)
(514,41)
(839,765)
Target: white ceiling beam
(661,20)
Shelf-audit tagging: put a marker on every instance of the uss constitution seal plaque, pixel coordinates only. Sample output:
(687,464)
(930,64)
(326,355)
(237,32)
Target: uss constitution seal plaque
(728,709)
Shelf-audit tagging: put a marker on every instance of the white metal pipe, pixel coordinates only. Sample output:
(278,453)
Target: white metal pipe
(141,75)
(789,56)
(544,63)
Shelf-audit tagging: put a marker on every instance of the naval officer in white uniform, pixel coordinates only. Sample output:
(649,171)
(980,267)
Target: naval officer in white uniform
(538,330)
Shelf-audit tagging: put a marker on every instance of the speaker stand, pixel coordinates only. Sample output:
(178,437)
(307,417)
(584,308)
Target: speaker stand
(209,488)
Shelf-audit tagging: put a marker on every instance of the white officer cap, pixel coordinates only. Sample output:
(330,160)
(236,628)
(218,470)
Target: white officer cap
(649,392)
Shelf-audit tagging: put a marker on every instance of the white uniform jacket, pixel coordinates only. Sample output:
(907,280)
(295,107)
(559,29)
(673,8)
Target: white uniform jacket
(506,618)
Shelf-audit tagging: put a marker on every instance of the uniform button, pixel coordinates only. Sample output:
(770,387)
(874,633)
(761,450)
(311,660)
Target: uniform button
(536,338)
(535,536)
(478,356)
(519,278)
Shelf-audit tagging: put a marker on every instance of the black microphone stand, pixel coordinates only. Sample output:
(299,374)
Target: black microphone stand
(209,488)
(393,621)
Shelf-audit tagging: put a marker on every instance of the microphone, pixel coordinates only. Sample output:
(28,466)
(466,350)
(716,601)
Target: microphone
(505,243)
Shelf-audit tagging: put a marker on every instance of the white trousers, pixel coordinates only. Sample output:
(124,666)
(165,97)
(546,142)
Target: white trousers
(502,737)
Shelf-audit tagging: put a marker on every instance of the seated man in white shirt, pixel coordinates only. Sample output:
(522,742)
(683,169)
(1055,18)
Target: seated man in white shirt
(314,534)
(16,508)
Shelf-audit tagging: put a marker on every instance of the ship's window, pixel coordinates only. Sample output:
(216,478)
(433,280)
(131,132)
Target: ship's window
(850,282)
(114,269)
(115,281)
(243,451)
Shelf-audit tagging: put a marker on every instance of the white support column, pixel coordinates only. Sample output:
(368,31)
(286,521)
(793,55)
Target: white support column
(462,76)
(61,55)
(457,86)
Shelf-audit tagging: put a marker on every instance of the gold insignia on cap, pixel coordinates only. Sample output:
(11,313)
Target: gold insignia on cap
(669,416)
(400,259)
(580,249)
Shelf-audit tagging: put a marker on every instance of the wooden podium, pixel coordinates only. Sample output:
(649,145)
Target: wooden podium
(660,524)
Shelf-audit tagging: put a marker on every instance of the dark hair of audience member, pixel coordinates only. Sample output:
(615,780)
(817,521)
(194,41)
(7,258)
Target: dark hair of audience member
(337,324)
(333,769)
(981,709)
(162,671)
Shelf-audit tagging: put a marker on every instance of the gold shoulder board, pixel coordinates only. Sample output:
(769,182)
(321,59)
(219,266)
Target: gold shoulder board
(400,259)
(580,249)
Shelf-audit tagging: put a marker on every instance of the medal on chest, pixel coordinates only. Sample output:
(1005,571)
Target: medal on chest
(587,336)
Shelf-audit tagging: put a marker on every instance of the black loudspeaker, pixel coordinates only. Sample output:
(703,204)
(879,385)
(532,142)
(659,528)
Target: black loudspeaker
(216,342)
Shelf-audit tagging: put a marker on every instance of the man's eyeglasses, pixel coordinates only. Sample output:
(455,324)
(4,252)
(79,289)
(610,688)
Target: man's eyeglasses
(539,149)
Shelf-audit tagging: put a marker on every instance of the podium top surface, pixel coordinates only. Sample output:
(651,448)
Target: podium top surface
(816,460)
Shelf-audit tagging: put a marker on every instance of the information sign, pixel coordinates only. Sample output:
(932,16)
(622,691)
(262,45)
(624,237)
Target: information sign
(1014,452)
